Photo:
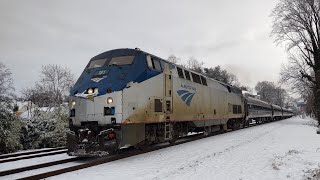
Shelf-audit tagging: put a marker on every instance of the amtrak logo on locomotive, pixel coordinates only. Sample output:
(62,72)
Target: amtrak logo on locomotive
(186,95)
(99,75)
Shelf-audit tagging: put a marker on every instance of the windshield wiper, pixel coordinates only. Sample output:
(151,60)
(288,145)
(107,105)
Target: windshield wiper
(113,64)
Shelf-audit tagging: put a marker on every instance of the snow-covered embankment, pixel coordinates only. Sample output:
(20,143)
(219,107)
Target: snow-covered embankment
(279,150)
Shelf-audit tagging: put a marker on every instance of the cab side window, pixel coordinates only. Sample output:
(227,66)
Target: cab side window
(163,64)
(154,63)
(187,73)
(180,73)
(204,81)
(149,61)
(196,78)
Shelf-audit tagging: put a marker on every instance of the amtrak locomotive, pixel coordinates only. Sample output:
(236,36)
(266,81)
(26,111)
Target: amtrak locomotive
(128,97)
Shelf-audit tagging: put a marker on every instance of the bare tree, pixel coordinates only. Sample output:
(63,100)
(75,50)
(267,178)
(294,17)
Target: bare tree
(234,80)
(9,124)
(271,93)
(310,107)
(290,74)
(194,64)
(48,119)
(56,78)
(222,75)
(246,88)
(174,59)
(216,73)
(297,24)
(6,85)
(55,83)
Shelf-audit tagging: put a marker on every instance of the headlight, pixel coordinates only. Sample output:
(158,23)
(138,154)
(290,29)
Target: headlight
(73,103)
(95,90)
(90,91)
(109,100)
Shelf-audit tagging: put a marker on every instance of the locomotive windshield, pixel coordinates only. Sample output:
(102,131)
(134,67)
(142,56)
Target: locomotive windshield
(119,61)
(97,63)
(122,60)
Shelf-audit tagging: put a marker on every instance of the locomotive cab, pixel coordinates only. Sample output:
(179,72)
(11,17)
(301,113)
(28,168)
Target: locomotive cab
(95,102)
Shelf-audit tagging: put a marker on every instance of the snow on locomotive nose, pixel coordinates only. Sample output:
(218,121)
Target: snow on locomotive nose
(96,105)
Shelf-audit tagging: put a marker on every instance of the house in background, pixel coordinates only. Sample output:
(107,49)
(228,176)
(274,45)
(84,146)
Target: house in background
(301,106)
(27,110)
(24,108)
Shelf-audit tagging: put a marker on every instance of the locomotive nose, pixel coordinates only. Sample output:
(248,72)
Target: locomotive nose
(104,109)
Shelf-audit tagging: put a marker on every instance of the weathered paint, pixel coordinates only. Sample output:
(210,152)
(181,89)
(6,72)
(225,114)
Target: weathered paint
(134,101)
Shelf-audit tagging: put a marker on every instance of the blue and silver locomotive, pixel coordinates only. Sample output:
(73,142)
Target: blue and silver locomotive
(128,97)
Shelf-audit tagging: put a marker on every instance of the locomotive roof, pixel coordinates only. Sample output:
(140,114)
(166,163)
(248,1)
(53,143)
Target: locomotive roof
(276,106)
(258,102)
(255,101)
(116,52)
(130,52)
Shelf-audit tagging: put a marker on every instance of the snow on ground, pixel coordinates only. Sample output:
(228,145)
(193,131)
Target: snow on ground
(34,161)
(30,155)
(39,171)
(288,149)
(24,151)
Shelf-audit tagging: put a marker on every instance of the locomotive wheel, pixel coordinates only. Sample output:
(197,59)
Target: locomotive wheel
(234,125)
(174,138)
(142,146)
(207,131)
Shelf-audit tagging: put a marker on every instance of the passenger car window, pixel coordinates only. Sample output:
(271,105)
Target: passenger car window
(239,109)
(235,109)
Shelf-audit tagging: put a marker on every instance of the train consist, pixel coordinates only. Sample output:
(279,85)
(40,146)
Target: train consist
(128,97)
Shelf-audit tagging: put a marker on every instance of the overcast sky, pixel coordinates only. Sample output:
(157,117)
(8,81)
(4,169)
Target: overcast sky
(230,33)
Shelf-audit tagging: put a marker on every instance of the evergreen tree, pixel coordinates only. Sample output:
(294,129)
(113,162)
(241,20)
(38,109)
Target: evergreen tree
(9,123)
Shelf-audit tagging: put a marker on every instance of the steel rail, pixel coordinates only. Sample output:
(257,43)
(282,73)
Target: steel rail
(3,156)
(38,166)
(33,156)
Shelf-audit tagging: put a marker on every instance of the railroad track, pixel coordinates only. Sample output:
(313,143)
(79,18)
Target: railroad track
(111,158)
(103,160)
(4,156)
(41,154)
(38,166)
